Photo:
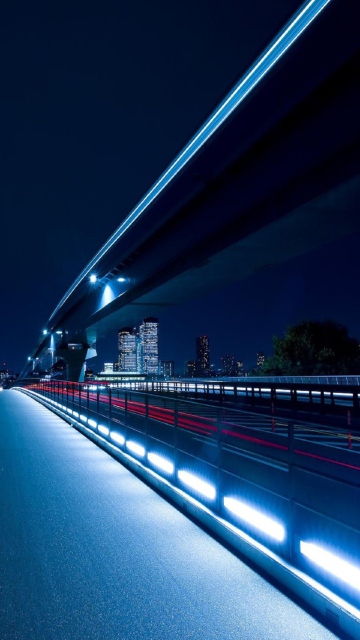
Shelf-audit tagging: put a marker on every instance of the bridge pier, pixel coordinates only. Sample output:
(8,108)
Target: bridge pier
(75,355)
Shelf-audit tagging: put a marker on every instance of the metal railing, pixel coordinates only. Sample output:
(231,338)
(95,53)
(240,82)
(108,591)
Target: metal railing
(287,484)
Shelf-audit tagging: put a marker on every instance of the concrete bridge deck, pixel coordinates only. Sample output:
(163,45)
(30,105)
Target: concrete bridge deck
(89,551)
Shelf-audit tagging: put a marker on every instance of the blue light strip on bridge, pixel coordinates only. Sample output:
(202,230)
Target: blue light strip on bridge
(247,83)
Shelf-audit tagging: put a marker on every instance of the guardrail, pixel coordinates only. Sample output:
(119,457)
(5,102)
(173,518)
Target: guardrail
(295,494)
(322,398)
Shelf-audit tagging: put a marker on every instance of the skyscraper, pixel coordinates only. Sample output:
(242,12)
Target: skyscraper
(166,368)
(149,346)
(202,356)
(190,369)
(127,349)
(260,359)
(227,363)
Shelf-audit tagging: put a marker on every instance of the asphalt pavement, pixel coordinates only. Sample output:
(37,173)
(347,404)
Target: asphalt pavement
(89,551)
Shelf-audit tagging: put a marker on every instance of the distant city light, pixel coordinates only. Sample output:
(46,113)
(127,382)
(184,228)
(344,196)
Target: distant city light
(255,518)
(93,278)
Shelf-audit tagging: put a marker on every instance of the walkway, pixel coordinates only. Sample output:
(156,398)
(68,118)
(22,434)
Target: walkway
(89,551)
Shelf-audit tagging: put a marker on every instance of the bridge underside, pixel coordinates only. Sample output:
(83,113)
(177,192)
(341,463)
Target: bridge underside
(330,216)
(279,178)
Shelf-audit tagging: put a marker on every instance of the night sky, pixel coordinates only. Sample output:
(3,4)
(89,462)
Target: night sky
(96,100)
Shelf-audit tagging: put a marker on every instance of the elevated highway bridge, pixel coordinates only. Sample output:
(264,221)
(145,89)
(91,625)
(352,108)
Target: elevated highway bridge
(272,173)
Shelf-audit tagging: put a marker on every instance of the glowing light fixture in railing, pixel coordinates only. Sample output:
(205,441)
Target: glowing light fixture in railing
(104,430)
(135,448)
(256,518)
(332,563)
(200,486)
(75,413)
(161,463)
(83,418)
(92,423)
(117,437)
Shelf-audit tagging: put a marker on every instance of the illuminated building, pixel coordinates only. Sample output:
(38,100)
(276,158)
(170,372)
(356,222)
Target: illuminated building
(190,369)
(149,346)
(127,349)
(227,365)
(166,368)
(202,356)
(260,359)
(108,367)
(239,368)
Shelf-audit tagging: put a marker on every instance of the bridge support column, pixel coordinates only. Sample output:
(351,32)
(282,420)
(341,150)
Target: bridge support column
(75,356)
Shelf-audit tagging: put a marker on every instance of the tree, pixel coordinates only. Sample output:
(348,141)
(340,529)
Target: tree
(314,348)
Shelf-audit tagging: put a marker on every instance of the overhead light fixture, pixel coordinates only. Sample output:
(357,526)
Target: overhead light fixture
(121,279)
(45,332)
(93,278)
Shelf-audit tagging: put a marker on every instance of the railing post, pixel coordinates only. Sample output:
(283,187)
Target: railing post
(355,403)
(218,458)
(176,436)
(291,443)
(97,402)
(146,420)
(109,389)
